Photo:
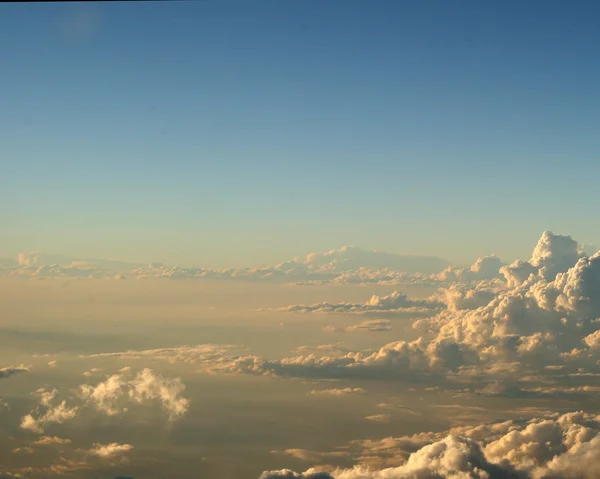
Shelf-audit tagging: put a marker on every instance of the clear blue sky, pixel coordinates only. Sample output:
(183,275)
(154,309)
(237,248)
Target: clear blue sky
(226,133)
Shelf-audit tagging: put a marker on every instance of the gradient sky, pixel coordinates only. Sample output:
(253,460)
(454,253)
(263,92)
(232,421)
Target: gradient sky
(224,133)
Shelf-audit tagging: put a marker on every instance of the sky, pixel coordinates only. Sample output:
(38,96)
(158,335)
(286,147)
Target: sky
(237,133)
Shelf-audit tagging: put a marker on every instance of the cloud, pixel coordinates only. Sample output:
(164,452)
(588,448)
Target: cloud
(394,302)
(373,325)
(557,446)
(145,386)
(51,414)
(485,268)
(337,392)
(202,353)
(23,450)
(346,265)
(51,440)
(148,386)
(352,257)
(110,397)
(12,370)
(486,331)
(109,451)
(379,418)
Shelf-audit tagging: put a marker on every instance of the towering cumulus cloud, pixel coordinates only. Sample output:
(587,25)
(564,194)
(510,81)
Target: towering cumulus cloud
(559,447)
(536,334)
(548,317)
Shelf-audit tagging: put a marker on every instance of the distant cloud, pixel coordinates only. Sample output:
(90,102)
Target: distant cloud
(12,370)
(337,392)
(109,451)
(346,265)
(352,258)
(51,440)
(394,302)
(372,325)
(379,418)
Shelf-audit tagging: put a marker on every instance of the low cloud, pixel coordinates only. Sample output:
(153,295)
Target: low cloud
(108,397)
(145,386)
(109,451)
(12,370)
(557,446)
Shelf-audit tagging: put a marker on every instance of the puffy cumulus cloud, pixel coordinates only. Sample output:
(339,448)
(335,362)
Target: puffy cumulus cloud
(461,296)
(109,451)
(47,414)
(557,446)
(337,391)
(553,254)
(145,386)
(394,302)
(12,370)
(105,395)
(149,386)
(108,397)
(485,268)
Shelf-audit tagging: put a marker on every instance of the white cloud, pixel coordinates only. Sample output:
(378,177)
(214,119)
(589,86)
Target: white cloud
(110,397)
(554,447)
(149,386)
(145,386)
(109,451)
(51,414)
(485,268)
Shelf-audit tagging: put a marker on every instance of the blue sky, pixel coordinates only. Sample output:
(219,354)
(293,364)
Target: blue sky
(225,133)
